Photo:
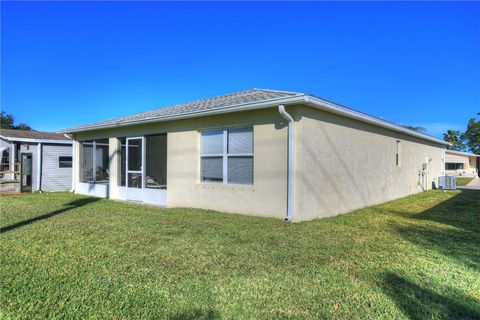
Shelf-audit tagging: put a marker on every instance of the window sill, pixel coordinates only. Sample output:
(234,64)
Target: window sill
(224,186)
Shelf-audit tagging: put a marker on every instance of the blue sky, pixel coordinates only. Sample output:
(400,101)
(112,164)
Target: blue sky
(66,63)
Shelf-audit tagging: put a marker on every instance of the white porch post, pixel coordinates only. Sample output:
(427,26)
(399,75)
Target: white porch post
(114,148)
(12,160)
(39,166)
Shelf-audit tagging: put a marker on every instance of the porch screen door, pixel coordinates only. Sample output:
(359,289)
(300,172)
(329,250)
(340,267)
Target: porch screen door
(134,170)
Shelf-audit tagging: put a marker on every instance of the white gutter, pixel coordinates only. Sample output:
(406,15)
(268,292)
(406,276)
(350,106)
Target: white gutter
(35,140)
(290,169)
(39,167)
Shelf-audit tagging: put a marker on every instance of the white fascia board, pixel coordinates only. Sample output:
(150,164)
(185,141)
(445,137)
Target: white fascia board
(36,140)
(235,108)
(349,113)
(461,153)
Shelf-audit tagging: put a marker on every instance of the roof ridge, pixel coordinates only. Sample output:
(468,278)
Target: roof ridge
(279,91)
(197,101)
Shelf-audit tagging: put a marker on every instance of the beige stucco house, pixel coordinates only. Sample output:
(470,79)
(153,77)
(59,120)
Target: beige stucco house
(461,164)
(257,152)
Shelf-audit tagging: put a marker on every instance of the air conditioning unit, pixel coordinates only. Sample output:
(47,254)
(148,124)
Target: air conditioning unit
(447,183)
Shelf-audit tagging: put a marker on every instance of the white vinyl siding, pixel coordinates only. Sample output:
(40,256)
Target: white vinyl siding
(55,178)
(226,156)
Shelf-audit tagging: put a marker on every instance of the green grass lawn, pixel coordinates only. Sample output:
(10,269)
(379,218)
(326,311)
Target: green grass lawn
(463,181)
(67,256)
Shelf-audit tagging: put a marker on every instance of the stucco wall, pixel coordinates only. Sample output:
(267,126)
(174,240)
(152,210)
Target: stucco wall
(267,196)
(343,165)
(340,164)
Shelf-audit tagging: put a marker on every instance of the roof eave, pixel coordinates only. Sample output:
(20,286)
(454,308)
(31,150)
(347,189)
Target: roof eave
(30,140)
(461,153)
(300,98)
(337,109)
(214,111)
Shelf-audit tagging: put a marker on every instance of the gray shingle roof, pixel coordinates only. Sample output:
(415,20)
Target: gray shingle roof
(220,102)
(248,99)
(24,134)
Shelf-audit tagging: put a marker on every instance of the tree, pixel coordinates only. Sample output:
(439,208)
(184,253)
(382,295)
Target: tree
(415,128)
(7,121)
(455,137)
(23,126)
(472,135)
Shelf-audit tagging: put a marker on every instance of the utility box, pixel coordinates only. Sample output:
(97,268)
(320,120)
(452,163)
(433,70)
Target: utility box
(447,183)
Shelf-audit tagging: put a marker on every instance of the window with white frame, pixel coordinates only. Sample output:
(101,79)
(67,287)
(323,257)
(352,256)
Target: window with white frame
(64,162)
(454,166)
(226,156)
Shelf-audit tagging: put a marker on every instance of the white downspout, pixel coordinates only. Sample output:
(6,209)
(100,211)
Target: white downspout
(290,181)
(39,167)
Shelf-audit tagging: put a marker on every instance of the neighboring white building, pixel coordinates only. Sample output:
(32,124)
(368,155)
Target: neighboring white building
(462,164)
(34,161)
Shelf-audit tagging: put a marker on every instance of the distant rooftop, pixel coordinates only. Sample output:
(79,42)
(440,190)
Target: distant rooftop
(25,134)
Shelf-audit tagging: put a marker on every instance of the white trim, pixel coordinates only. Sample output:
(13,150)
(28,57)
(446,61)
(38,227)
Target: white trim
(36,140)
(99,190)
(224,156)
(300,98)
(131,193)
(58,162)
(74,162)
(12,150)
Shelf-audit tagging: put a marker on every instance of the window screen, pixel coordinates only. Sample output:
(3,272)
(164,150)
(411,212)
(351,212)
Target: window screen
(212,169)
(454,166)
(94,161)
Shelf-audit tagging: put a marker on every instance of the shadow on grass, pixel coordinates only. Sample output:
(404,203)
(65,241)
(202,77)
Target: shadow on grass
(455,231)
(451,228)
(421,303)
(461,211)
(69,206)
